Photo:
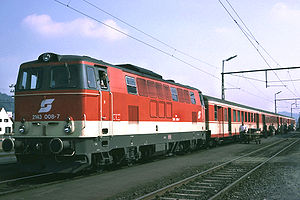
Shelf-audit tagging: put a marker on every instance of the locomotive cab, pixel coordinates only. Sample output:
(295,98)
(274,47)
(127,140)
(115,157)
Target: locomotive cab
(61,103)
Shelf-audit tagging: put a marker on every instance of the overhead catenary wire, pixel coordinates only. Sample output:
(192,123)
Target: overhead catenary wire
(135,38)
(254,38)
(259,80)
(249,36)
(148,35)
(150,45)
(291,79)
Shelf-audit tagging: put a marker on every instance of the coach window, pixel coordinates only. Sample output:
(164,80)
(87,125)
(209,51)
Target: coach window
(246,114)
(248,117)
(193,100)
(239,116)
(225,115)
(234,115)
(242,116)
(131,85)
(216,112)
(174,94)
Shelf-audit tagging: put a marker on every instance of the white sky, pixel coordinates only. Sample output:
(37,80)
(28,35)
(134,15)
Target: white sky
(199,28)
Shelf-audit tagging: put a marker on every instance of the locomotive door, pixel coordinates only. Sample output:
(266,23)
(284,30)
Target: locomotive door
(105,100)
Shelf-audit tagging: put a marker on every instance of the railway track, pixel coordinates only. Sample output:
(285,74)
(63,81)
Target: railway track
(22,183)
(209,181)
(219,180)
(31,182)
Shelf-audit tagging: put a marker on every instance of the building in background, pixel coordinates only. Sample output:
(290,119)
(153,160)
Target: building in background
(6,123)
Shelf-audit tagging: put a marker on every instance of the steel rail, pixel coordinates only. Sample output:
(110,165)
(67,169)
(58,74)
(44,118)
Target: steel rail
(226,189)
(24,178)
(13,190)
(181,182)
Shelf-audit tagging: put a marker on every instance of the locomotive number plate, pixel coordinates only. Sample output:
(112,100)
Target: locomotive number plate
(45,116)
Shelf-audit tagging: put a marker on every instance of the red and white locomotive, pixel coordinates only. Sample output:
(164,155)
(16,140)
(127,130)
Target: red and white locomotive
(76,112)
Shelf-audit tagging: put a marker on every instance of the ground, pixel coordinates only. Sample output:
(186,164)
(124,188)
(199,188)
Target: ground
(279,180)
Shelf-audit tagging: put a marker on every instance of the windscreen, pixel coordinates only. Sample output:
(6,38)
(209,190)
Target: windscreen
(30,79)
(63,77)
(35,78)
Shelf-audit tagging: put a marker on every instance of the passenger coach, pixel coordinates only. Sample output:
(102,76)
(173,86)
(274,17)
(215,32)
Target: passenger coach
(224,119)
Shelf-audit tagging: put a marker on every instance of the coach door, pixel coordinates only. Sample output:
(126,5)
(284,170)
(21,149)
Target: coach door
(105,100)
(220,121)
(257,120)
(264,122)
(229,121)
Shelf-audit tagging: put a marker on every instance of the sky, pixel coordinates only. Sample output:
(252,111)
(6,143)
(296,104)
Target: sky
(192,37)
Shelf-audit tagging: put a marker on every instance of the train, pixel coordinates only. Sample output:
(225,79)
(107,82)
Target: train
(74,113)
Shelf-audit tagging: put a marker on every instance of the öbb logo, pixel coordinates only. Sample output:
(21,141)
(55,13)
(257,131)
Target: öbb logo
(46,105)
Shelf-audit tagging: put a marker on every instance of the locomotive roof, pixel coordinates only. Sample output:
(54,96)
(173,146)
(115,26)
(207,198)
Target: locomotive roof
(125,67)
(240,105)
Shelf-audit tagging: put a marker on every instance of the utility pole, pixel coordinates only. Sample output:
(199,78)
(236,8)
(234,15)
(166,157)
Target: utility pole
(275,101)
(292,108)
(223,89)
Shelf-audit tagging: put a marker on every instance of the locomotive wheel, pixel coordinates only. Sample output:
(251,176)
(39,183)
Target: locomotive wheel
(211,143)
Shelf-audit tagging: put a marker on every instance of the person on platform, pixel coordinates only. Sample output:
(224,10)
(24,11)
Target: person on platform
(243,131)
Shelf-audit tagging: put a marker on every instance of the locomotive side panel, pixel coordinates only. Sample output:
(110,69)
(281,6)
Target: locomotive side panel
(139,113)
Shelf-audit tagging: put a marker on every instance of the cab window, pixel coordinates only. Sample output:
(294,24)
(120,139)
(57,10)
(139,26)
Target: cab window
(30,79)
(63,76)
(103,80)
(201,99)
(91,77)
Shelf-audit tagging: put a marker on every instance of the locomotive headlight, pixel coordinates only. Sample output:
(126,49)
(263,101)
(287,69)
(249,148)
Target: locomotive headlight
(67,128)
(22,129)
(46,57)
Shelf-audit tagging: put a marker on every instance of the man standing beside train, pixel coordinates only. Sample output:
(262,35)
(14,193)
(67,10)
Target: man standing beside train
(243,130)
